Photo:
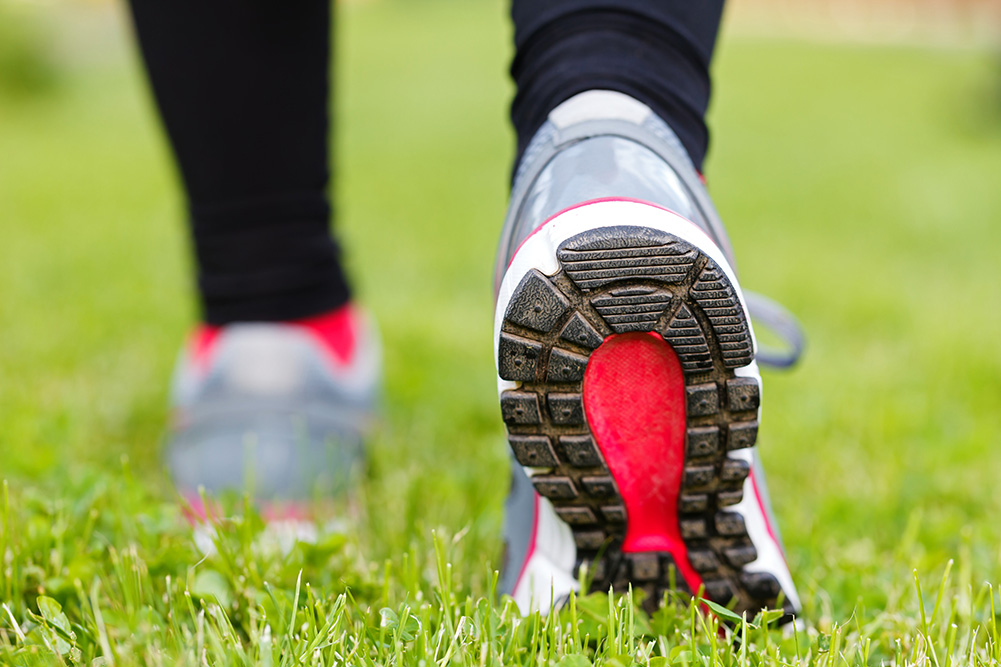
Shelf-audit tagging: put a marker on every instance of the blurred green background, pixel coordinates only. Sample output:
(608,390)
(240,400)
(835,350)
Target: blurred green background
(860,178)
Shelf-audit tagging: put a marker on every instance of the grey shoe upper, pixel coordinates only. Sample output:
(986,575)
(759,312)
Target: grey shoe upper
(601,144)
(604,144)
(271,413)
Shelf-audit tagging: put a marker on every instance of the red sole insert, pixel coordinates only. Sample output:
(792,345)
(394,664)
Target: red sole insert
(634,399)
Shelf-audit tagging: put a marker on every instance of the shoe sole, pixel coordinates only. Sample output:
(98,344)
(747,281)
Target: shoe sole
(644,478)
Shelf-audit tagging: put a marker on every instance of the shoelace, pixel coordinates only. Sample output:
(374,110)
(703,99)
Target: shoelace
(783,324)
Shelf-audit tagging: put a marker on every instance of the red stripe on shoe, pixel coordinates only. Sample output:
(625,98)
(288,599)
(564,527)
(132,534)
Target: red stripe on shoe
(203,343)
(335,330)
(196,511)
(768,521)
(532,542)
(634,399)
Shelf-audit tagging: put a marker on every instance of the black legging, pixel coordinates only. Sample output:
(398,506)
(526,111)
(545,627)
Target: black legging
(243,87)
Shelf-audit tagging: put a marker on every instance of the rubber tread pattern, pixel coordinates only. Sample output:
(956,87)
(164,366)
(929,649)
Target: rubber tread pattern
(627,278)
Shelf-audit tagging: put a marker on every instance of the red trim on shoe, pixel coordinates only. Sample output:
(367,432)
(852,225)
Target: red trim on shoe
(335,330)
(287,510)
(768,521)
(203,342)
(531,542)
(634,399)
(195,511)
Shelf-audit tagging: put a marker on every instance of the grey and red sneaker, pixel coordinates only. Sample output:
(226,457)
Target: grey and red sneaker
(627,374)
(276,410)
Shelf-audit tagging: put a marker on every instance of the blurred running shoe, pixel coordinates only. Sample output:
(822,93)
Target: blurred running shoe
(276,410)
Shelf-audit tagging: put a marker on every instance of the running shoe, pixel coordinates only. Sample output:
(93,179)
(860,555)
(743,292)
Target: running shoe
(627,375)
(275,410)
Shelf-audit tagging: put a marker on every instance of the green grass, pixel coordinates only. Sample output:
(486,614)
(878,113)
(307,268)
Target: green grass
(861,188)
